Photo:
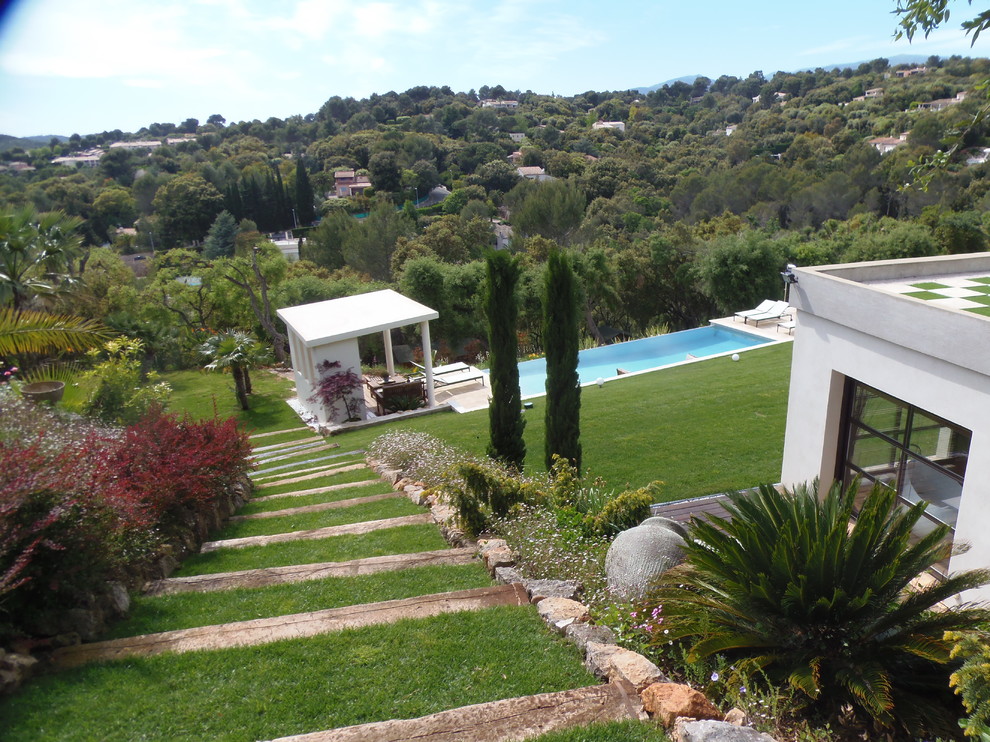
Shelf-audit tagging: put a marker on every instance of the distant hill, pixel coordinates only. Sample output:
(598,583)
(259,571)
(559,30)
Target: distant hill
(894,61)
(8,142)
(689,79)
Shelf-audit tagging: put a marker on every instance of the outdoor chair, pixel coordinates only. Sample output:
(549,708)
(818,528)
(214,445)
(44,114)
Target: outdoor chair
(399,395)
(777,311)
(764,306)
(451,373)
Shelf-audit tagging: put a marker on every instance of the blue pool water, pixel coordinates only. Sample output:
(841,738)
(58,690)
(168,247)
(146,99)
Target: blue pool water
(641,355)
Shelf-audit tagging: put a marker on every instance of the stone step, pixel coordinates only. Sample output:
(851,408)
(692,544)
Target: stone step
(277,448)
(280,432)
(307,441)
(278,471)
(318,508)
(303,572)
(296,626)
(316,533)
(267,472)
(323,472)
(295,454)
(318,490)
(498,721)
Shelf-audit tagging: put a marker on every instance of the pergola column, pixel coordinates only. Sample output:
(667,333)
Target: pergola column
(389,359)
(424,330)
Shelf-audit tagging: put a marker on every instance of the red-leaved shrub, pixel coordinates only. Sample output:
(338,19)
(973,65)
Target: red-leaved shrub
(81,504)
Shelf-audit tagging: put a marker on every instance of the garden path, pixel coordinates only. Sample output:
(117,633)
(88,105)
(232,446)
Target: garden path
(342,484)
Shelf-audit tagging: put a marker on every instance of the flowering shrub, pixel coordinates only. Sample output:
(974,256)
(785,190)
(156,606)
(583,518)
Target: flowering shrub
(545,550)
(117,394)
(7,371)
(972,679)
(81,504)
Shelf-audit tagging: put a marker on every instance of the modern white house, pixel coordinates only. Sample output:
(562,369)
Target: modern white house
(329,331)
(890,381)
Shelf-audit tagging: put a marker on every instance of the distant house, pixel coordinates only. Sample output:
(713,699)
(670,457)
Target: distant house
(942,103)
(20,167)
(516,157)
(349,183)
(874,93)
(977,155)
(288,246)
(86,160)
(145,144)
(779,97)
(617,125)
(730,129)
(500,105)
(517,136)
(180,140)
(910,72)
(533,172)
(884,145)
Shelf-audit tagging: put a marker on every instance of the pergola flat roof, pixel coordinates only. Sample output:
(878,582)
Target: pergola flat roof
(325,322)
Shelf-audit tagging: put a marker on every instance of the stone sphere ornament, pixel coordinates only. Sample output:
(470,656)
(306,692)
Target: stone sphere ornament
(641,554)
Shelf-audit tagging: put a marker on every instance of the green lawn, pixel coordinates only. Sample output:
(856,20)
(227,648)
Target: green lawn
(185,610)
(401,540)
(377,510)
(281,503)
(702,428)
(262,489)
(203,394)
(615,731)
(402,670)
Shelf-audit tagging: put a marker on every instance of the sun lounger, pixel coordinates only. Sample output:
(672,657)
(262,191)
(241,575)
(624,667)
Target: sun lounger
(789,325)
(777,311)
(452,373)
(764,306)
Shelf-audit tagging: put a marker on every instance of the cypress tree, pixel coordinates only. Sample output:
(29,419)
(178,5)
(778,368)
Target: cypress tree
(305,211)
(505,418)
(560,343)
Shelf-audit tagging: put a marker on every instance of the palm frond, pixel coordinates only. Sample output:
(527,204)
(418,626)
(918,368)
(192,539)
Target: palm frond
(29,331)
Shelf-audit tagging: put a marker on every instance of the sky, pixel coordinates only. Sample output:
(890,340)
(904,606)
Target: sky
(87,66)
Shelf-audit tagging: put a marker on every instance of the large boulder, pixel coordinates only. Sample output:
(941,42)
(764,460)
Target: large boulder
(638,556)
(668,701)
(686,730)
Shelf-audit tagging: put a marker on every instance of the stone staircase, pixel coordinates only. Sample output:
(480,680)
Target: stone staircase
(332,482)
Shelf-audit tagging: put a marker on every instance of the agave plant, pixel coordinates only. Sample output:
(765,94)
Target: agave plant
(788,588)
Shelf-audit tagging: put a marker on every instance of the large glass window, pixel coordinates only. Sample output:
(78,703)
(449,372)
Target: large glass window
(917,454)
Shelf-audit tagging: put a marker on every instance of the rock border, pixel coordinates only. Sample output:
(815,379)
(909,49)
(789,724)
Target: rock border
(686,713)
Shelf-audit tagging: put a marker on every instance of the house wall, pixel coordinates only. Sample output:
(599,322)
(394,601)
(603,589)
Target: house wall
(827,350)
(304,363)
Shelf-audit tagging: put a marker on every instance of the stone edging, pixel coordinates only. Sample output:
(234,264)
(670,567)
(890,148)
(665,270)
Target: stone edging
(685,712)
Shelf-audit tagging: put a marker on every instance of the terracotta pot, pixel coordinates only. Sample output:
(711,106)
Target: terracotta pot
(43,391)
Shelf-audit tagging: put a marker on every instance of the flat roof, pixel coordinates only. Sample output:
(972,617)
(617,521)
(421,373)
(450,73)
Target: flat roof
(960,282)
(325,322)
(938,306)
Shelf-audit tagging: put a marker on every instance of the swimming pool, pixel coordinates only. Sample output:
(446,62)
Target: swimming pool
(642,355)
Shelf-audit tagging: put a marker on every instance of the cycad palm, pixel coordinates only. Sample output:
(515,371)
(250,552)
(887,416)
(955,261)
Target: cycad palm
(787,587)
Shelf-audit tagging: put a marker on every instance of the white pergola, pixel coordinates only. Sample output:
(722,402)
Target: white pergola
(328,330)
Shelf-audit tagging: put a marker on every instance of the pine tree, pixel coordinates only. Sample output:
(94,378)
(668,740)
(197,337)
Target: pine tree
(560,343)
(505,418)
(305,211)
(222,237)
